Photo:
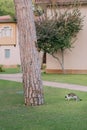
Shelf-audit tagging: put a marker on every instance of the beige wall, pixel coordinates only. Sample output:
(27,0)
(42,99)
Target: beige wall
(9,40)
(75,60)
(14,58)
(8,43)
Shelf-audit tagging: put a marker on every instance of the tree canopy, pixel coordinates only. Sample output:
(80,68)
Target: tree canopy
(7,8)
(59,32)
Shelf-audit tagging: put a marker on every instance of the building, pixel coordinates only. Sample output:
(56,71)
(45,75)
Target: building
(9,48)
(75,60)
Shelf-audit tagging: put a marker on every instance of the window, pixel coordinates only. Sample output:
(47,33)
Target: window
(5,31)
(7,53)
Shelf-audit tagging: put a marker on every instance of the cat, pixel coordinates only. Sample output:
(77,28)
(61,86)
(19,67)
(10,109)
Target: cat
(72,96)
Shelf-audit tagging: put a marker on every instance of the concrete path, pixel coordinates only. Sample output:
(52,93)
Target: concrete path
(18,78)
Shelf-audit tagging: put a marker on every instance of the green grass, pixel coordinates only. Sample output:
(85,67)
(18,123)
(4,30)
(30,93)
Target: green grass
(80,79)
(11,70)
(55,114)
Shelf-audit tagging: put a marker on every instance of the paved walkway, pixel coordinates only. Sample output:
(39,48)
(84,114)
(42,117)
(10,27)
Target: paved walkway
(18,78)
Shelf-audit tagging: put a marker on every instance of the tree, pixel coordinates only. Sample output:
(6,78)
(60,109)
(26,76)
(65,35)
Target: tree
(58,32)
(32,83)
(7,8)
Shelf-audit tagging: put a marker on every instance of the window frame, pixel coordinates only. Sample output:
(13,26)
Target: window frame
(7,53)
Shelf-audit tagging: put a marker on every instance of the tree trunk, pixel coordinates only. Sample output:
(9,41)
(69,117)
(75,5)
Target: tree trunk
(32,83)
(62,53)
(61,61)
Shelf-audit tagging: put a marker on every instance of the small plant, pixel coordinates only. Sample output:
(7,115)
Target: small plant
(19,67)
(1,68)
(43,67)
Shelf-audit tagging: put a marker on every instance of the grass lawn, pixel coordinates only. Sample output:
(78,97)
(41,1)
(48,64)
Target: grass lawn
(11,70)
(55,114)
(80,79)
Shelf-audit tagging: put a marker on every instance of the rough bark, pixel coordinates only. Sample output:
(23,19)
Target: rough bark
(32,83)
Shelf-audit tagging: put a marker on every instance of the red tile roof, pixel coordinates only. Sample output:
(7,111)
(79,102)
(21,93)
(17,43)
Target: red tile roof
(6,18)
(60,1)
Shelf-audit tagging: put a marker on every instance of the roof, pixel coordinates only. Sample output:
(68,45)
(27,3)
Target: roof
(60,2)
(6,19)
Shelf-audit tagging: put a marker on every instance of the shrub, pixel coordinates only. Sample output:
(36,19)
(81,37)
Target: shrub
(1,69)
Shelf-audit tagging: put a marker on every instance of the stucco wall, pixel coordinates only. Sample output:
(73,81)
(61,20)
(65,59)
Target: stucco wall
(14,58)
(75,60)
(8,40)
